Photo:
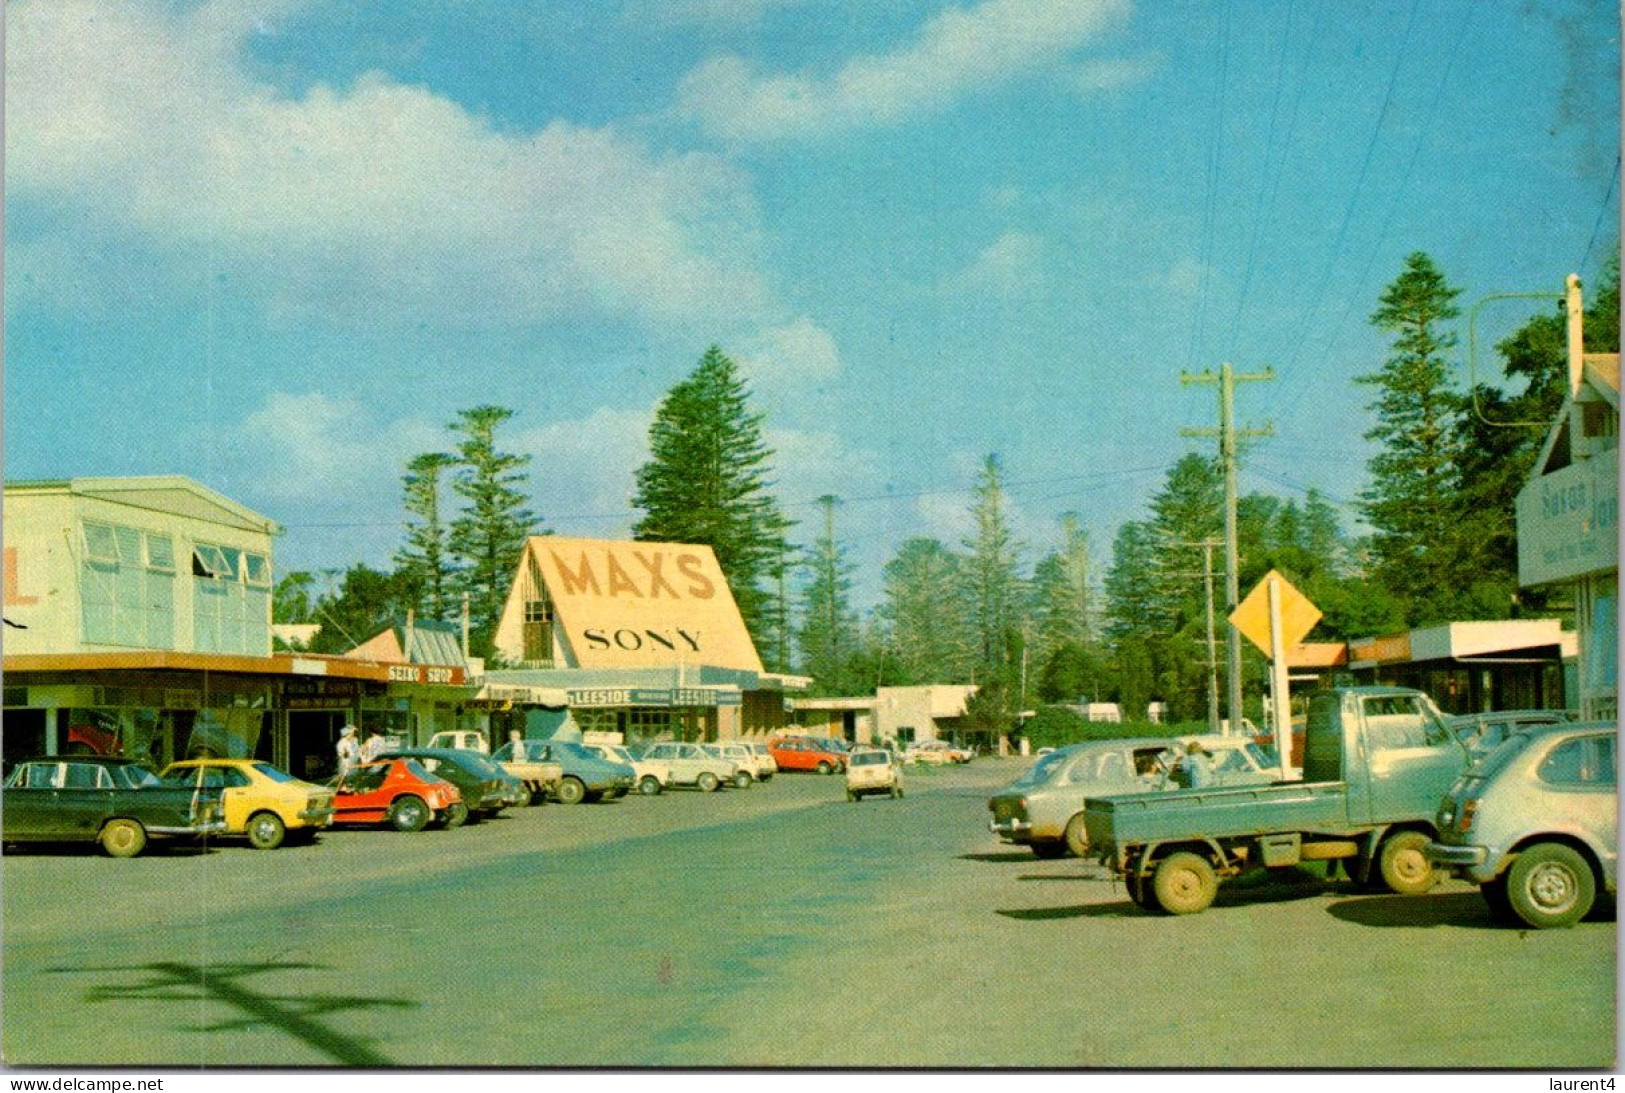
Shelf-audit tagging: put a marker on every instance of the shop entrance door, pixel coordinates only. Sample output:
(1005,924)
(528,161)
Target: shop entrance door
(312,737)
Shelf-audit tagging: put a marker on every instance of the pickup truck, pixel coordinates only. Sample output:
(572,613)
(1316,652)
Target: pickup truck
(1377,760)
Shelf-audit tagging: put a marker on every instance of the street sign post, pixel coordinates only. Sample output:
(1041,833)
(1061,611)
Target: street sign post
(1276,615)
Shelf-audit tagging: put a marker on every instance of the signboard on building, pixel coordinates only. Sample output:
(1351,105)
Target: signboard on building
(618,604)
(1568,522)
(318,694)
(600,697)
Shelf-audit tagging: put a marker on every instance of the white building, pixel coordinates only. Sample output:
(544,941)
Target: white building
(1568,515)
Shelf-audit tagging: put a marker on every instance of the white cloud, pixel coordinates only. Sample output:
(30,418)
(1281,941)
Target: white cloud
(379,202)
(1108,74)
(1183,278)
(957,52)
(582,471)
(309,447)
(1010,265)
(798,353)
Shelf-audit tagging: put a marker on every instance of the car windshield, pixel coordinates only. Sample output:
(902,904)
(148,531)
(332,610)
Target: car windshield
(1043,768)
(1237,760)
(870,759)
(273,773)
(759,749)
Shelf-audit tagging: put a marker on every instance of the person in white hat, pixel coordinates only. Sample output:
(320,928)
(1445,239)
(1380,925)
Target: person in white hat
(349,750)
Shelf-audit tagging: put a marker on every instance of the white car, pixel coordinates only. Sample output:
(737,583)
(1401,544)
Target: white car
(690,765)
(649,776)
(872,772)
(747,757)
(936,752)
(744,763)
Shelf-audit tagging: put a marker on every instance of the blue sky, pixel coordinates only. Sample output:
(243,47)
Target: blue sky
(275,246)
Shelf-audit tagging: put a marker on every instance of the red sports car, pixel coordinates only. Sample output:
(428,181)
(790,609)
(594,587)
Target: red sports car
(397,792)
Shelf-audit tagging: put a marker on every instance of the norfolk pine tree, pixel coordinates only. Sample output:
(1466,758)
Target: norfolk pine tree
(425,561)
(489,534)
(925,612)
(1412,496)
(829,634)
(706,482)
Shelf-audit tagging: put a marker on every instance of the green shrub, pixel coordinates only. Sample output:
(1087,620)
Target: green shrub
(1057,726)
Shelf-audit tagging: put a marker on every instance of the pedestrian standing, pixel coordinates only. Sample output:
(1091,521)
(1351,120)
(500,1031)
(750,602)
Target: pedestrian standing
(373,748)
(348,749)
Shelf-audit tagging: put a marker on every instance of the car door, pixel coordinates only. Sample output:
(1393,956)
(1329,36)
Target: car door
(1411,757)
(85,800)
(30,806)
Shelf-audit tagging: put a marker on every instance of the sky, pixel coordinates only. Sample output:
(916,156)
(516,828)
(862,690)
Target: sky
(276,245)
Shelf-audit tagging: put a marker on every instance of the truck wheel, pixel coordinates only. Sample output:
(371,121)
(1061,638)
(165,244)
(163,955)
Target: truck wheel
(456,815)
(1077,836)
(1404,867)
(707,781)
(649,785)
(1048,849)
(123,838)
(265,831)
(1550,885)
(1184,884)
(824,767)
(572,791)
(409,813)
(742,780)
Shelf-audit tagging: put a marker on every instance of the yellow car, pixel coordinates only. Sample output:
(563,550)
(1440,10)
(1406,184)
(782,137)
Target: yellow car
(259,801)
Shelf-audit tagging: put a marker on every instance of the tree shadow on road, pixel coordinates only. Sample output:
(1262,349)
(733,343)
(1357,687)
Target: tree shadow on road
(297,1014)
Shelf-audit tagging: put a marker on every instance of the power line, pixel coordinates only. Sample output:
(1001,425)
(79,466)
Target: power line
(1210,198)
(1603,211)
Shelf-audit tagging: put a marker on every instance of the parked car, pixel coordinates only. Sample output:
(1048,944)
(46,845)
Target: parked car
(871,772)
(691,765)
(485,787)
(649,776)
(461,739)
(1483,732)
(258,801)
(527,762)
(1535,823)
(398,792)
(1043,809)
(116,802)
(739,757)
(584,775)
(934,752)
(801,753)
(765,765)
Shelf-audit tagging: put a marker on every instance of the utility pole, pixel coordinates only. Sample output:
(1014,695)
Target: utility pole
(831,574)
(1227,378)
(1207,546)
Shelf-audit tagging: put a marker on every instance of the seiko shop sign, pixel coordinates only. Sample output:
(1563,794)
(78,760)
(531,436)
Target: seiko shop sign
(595,697)
(424,673)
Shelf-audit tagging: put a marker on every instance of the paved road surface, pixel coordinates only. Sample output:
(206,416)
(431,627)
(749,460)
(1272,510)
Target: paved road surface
(774,926)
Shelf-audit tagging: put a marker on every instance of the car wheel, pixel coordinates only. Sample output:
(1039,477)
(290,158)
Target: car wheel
(1077,837)
(1550,885)
(266,830)
(649,785)
(527,798)
(1404,866)
(1184,884)
(456,815)
(742,780)
(852,797)
(896,792)
(824,767)
(1048,849)
(707,781)
(123,838)
(572,791)
(408,813)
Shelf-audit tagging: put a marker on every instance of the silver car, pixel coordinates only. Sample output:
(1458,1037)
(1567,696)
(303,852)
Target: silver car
(1535,823)
(691,765)
(1043,809)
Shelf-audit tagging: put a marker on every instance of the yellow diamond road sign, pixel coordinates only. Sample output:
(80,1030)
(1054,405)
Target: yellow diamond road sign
(1252,615)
